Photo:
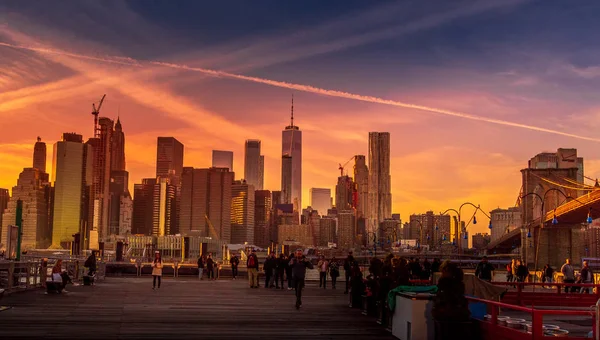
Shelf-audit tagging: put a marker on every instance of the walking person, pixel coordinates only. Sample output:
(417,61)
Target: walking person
(210,266)
(252,266)
(334,271)
(568,274)
(157,266)
(509,271)
(234,266)
(282,264)
(288,272)
(586,276)
(548,274)
(299,264)
(323,266)
(269,268)
(200,266)
(348,262)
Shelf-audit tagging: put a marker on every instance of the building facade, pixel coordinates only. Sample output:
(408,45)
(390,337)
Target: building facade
(118,148)
(361,178)
(430,229)
(380,195)
(504,221)
(39,155)
(262,218)
(480,241)
(346,230)
(291,145)
(143,204)
(320,200)
(222,159)
(4,198)
(287,166)
(254,164)
(327,231)
(344,193)
(242,212)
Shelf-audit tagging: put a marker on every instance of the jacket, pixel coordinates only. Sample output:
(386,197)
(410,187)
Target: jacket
(234,261)
(299,268)
(255,266)
(200,263)
(157,267)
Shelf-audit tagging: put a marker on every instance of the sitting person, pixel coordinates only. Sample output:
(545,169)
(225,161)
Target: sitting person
(58,275)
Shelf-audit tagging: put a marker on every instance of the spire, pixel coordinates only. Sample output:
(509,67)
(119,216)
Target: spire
(292,125)
(118,125)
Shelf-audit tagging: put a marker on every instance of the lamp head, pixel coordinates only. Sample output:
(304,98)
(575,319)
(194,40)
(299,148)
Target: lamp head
(529,234)
(436,227)
(474,219)
(554,220)
(444,237)
(490,225)
(465,237)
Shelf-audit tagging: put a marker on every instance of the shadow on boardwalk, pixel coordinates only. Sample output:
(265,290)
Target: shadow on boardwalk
(184,308)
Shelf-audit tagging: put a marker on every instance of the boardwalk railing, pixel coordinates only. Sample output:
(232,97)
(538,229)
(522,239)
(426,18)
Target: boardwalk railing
(551,294)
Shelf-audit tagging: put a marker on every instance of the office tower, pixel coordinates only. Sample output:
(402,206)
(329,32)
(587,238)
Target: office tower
(118,148)
(4,198)
(380,196)
(282,214)
(39,155)
(344,193)
(242,212)
(143,194)
(262,217)
(287,180)
(346,232)
(72,173)
(126,215)
(169,164)
(361,178)
(119,195)
(276,197)
(163,207)
(327,232)
(320,200)
(31,190)
(100,194)
(254,164)
(292,147)
(222,159)
(206,203)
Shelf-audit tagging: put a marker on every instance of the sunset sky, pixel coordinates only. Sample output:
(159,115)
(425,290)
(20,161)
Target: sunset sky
(488,76)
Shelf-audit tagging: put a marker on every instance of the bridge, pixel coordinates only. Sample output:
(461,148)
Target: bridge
(127,308)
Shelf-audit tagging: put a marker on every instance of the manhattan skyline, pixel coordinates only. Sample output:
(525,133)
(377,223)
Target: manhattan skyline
(494,61)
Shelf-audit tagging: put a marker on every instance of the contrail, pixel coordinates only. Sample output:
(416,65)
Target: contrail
(304,88)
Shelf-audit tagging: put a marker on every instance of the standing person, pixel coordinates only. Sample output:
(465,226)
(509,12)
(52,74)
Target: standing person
(252,265)
(334,271)
(548,274)
(90,264)
(586,276)
(234,265)
(288,271)
(269,267)
(200,266)
(157,266)
(299,265)
(210,266)
(348,262)
(282,264)
(568,274)
(509,271)
(522,271)
(484,270)
(323,266)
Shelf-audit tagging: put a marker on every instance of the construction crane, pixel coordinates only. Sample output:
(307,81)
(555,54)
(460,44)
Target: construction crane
(96,112)
(341,168)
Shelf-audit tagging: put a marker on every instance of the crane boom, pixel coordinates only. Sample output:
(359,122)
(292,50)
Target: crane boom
(96,112)
(342,166)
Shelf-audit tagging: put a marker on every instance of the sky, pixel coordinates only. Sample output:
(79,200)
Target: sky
(469,90)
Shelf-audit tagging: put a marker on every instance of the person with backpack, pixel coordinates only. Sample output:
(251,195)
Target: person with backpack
(252,265)
(234,261)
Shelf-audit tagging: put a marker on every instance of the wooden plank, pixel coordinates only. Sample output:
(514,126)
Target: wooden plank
(128,308)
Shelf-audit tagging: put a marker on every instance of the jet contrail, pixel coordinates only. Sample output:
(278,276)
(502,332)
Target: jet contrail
(304,88)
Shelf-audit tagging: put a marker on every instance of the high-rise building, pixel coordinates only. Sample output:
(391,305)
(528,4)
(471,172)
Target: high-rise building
(504,221)
(344,193)
(292,146)
(100,194)
(346,232)
(254,164)
(287,180)
(143,206)
(222,159)
(327,231)
(206,196)
(119,194)
(320,200)
(72,174)
(262,216)
(4,198)
(380,195)
(361,178)
(118,148)
(312,220)
(31,190)
(39,155)
(163,207)
(242,212)
(276,197)
(126,212)
(169,159)
(430,229)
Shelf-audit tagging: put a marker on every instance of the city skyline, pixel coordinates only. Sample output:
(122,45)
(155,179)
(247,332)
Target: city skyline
(437,161)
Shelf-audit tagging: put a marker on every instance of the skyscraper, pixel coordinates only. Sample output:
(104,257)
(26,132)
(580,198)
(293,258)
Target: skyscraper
(39,155)
(242,212)
(169,159)
(222,159)
(343,193)
(346,229)
(4,198)
(163,207)
(143,207)
(118,148)
(320,200)
(262,214)
(261,174)
(287,179)
(361,178)
(72,173)
(327,230)
(292,146)
(119,195)
(206,196)
(31,190)
(253,164)
(380,196)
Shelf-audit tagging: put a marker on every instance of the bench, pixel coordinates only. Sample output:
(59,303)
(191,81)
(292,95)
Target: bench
(54,287)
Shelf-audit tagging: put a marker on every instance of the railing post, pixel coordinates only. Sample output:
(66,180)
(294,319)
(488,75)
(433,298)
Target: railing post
(519,295)
(596,328)
(537,324)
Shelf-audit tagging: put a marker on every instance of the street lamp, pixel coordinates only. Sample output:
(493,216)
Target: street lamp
(420,233)
(474,219)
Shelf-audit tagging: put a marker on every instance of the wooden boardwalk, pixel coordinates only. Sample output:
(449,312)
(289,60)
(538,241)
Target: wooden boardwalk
(125,308)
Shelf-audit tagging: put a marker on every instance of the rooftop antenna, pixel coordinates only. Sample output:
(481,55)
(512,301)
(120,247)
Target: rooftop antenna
(292,125)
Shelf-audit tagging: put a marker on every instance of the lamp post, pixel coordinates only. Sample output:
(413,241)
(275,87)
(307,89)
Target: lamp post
(458,215)
(419,241)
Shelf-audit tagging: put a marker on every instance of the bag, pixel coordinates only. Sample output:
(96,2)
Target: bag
(56,277)
(251,262)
